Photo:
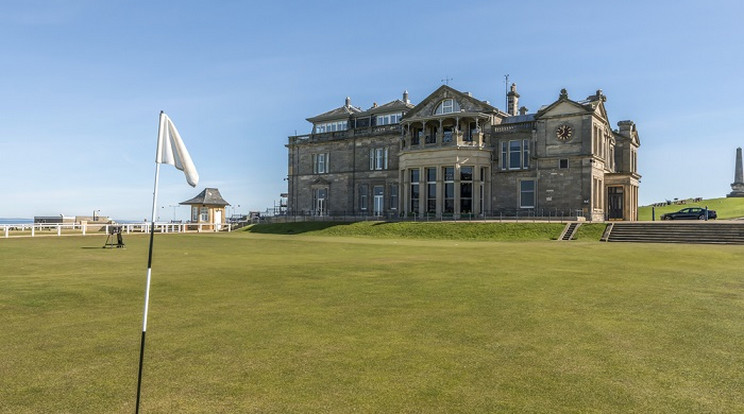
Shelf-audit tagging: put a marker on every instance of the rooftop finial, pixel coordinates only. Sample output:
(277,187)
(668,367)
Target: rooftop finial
(564,94)
(348,102)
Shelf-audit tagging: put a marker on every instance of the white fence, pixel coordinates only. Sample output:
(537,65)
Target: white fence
(39,229)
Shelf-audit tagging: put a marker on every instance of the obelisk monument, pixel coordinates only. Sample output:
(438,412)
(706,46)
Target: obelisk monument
(737,187)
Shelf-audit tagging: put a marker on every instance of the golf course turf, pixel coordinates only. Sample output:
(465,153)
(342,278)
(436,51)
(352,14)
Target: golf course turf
(270,323)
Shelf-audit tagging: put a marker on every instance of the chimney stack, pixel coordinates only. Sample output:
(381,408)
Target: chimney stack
(348,102)
(512,100)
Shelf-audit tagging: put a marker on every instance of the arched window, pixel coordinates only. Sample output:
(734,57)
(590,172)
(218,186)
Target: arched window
(447,106)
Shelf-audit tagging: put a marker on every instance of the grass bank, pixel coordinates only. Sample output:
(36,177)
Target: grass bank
(249,322)
(419,230)
(726,208)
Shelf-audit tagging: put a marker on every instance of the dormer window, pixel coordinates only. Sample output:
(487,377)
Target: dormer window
(331,127)
(389,119)
(447,106)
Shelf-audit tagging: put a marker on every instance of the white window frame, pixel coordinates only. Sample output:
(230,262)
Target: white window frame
(521,150)
(389,119)
(363,197)
(331,126)
(321,163)
(522,192)
(378,159)
(447,106)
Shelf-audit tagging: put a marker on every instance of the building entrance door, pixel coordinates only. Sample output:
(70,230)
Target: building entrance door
(615,203)
(320,201)
(218,220)
(379,206)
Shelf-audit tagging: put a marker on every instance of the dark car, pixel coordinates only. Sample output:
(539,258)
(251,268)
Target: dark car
(690,213)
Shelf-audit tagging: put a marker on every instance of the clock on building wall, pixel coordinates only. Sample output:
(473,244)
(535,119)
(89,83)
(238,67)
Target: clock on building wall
(564,132)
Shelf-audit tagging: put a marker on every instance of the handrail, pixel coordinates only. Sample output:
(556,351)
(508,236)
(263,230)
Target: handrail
(83,229)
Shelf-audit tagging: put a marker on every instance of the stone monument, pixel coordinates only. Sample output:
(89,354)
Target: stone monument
(737,186)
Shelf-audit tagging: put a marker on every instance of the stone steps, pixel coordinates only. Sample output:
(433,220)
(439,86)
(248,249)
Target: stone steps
(569,231)
(708,232)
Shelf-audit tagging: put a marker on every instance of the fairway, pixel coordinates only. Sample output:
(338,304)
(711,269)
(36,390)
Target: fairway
(262,323)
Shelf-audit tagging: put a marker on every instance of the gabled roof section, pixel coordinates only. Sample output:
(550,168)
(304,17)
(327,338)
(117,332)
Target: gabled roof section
(210,196)
(563,106)
(390,107)
(425,109)
(593,104)
(340,113)
(596,103)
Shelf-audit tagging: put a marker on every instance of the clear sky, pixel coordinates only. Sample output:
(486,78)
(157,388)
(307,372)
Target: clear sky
(83,81)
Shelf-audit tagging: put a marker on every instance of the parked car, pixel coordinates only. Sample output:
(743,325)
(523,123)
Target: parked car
(690,213)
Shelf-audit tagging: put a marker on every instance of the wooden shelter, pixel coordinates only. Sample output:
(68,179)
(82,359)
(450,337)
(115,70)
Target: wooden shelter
(208,209)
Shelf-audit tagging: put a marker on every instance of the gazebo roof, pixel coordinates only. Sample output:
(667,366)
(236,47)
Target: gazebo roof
(210,196)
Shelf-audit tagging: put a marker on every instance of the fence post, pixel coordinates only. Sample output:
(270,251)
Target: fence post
(59,229)
(83,226)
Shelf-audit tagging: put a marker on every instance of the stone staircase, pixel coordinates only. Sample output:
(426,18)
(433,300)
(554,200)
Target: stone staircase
(709,232)
(569,231)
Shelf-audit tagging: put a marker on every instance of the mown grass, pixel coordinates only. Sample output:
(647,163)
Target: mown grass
(248,322)
(726,208)
(419,230)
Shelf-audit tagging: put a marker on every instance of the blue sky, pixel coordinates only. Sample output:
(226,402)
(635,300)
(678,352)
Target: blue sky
(83,82)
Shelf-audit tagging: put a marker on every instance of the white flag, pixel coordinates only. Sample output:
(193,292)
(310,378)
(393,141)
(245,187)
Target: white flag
(171,150)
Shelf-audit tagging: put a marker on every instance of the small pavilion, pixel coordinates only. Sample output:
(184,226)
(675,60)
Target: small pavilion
(208,209)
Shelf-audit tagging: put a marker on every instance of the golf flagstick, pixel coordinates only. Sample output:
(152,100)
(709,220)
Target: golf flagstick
(170,150)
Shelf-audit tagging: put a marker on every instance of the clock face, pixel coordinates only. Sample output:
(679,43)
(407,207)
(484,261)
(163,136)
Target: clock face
(563,132)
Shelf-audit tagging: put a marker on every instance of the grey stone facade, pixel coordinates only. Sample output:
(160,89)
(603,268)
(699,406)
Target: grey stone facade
(454,156)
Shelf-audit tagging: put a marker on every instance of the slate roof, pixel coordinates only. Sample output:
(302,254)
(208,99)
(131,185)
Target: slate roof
(210,196)
(393,106)
(515,119)
(339,113)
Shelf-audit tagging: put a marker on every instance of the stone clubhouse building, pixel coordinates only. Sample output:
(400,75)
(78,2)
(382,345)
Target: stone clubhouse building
(455,156)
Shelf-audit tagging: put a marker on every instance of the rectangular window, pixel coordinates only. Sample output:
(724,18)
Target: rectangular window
(388,119)
(363,196)
(482,191)
(204,214)
(515,155)
(415,190)
(194,214)
(331,127)
(319,201)
(393,197)
(378,158)
(563,163)
(449,190)
(466,190)
(320,163)
(378,194)
(431,190)
(527,194)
